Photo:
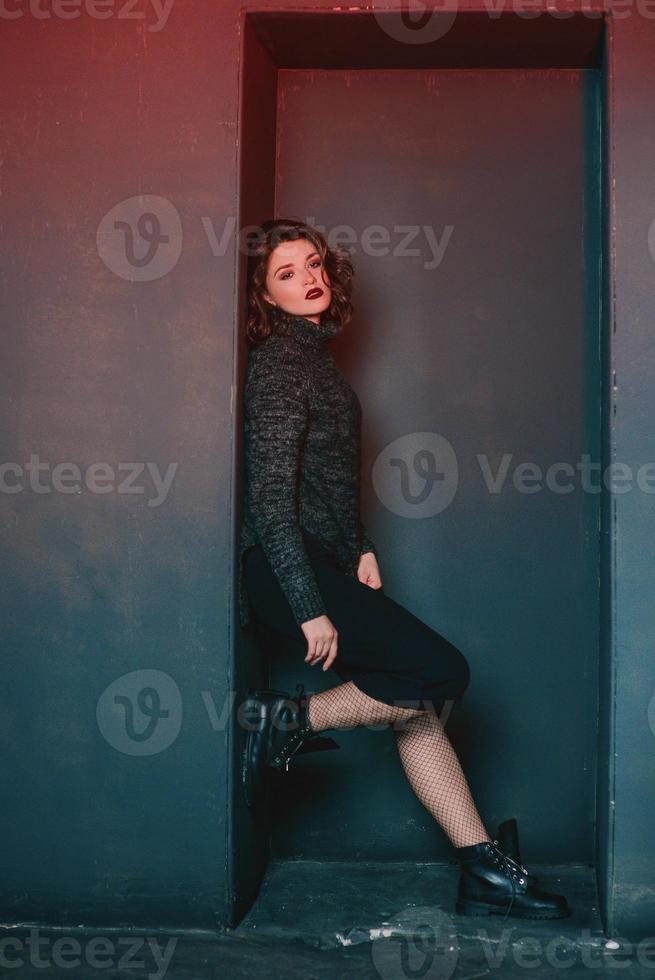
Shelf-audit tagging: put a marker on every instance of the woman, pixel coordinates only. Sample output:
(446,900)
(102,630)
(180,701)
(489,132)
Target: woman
(309,569)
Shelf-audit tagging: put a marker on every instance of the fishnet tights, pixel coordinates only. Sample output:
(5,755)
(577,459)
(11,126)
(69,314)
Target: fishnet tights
(427,756)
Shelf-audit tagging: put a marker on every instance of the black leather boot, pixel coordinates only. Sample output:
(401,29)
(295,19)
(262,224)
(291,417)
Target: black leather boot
(279,729)
(491,883)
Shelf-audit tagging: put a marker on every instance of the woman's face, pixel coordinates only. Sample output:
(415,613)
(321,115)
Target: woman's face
(294,275)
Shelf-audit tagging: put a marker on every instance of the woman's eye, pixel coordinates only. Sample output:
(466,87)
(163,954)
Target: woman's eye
(285,274)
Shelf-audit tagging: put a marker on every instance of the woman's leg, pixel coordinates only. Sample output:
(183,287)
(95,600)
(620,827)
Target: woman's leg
(427,756)
(404,656)
(436,776)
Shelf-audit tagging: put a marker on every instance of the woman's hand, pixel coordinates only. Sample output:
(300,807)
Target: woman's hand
(321,636)
(368,571)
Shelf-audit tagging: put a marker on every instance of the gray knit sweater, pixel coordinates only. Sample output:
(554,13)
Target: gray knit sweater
(302,432)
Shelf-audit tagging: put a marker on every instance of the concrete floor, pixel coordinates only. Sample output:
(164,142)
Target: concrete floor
(380,920)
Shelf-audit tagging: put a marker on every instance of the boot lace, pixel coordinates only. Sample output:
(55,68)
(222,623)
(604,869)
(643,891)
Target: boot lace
(511,868)
(292,744)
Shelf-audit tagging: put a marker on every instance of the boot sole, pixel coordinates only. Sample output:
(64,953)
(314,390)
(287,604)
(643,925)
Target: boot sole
(483,908)
(317,743)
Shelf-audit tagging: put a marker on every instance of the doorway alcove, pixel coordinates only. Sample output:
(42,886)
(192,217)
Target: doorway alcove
(466,175)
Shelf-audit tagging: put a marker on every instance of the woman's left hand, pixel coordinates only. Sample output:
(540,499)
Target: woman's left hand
(368,571)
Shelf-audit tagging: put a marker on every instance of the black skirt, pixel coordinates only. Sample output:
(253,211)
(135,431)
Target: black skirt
(383,648)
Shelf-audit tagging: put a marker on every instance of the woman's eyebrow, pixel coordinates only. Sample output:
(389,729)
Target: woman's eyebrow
(289,265)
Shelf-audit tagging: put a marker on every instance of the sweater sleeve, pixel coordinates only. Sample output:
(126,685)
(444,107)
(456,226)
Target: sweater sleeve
(277,409)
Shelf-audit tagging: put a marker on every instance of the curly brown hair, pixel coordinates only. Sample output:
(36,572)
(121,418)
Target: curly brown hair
(336,262)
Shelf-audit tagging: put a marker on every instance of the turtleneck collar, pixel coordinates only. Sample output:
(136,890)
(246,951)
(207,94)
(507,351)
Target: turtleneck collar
(303,329)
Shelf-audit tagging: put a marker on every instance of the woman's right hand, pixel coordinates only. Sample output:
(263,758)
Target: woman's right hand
(321,636)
